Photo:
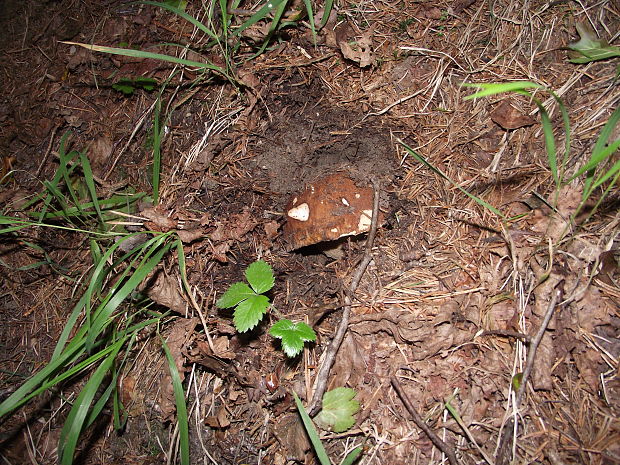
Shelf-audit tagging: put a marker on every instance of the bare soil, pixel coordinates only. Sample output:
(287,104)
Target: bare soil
(453,298)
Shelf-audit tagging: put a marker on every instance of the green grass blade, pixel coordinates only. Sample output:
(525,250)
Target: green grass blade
(75,420)
(54,193)
(9,220)
(114,202)
(327,8)
(66,173)
(69,325)
(179,399)
(157,132)
(549,142)
(32,386)
(90,184)
(57,176)
(600,151)
(500,88)
(185,16)
(312,433)
(98,275)
(311,19)
(477,199)
(352,456)
(154,56)
(150,260)
(614,169)
(225,17)
(260,14)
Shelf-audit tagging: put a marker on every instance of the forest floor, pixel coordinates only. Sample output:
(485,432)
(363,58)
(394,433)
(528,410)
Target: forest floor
(448,308)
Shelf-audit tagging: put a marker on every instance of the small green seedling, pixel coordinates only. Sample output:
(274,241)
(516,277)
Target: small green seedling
(292,335)
(313,433)
(128,86)
(251,305)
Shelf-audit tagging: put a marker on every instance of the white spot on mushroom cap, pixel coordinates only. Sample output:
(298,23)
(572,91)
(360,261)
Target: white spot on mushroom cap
(345,201)
(334,230)
(365,220)
(301,212)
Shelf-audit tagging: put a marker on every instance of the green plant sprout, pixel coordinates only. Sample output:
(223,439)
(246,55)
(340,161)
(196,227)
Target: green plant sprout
(251,305)
(129,85)
(342,419)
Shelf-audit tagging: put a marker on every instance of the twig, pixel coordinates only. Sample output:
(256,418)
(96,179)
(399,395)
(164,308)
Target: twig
(48,150)
(503,449)
(442,446)
(332,350)
(506,333)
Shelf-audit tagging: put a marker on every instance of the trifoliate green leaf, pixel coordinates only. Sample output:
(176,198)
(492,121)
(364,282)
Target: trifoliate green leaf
(260,276)
(235,294)
(293,335)
(338,410)
(249,312)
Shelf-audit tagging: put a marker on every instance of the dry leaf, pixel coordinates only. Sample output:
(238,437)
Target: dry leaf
(158,220)
(508,117)
(190,235)
(166,291)
(292,436)
(359,51)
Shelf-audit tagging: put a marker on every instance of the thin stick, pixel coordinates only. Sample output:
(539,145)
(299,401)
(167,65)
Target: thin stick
(436,440)
(48,150)
(503,449)
(332,350)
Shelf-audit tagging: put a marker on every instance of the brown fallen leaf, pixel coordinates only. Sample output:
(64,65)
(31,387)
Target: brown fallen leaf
(220,420)
(190,235)
(292,436)
(166,291)
(359,51)
(158,220)
(508,117)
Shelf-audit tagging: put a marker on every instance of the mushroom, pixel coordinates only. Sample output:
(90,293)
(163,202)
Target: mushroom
(328,209)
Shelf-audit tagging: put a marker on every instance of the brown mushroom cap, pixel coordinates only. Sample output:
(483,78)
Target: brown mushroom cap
(328,209)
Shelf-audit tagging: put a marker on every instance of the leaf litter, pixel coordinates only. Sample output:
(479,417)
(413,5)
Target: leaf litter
(452,297)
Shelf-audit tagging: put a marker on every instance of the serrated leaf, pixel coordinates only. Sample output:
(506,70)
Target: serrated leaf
(260,276)
(338,410)
(235,294)
(292,335)
(249,312)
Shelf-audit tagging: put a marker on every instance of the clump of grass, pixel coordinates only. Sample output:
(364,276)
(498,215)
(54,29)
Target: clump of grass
(223,30)
(599,170)
(102,327)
